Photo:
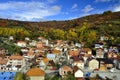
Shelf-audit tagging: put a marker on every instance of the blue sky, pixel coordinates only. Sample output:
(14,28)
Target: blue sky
(44,10)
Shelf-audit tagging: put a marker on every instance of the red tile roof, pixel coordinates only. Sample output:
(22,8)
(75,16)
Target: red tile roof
(35,72)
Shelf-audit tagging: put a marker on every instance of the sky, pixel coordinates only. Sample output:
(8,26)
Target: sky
(45,10)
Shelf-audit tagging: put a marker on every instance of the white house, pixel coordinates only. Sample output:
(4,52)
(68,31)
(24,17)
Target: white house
(36,74)
(21,44)
(78,73)
(93,64)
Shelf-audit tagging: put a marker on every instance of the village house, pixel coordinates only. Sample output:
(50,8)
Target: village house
(16,62)
(71,53)
(40,45)
(99,45)
(29,54)
(11,38)
(79,62)
(36,74)
(63,71)
(78,73)
(3,63)
(112,54)
(2,52)
(93,64)
(100,53)
(33,43)
(27,38)
(24,50)
(57,54)
(21,44)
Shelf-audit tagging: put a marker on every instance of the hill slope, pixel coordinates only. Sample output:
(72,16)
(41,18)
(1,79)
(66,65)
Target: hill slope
(93,20)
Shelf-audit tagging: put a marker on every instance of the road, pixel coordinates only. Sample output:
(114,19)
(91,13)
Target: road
(112,75)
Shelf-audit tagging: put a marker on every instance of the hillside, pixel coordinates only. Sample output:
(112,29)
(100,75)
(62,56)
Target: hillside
(93,20)
(87,29)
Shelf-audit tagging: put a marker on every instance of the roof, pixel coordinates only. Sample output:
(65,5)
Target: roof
(50,55)
(3,62)
(23,42)
(45,60)
(18,57)
(87,49)
(55,51)
(35,72)
(67,68)
(75,68)
(74,52)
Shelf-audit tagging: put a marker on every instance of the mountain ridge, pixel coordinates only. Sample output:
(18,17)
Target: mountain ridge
(93,20)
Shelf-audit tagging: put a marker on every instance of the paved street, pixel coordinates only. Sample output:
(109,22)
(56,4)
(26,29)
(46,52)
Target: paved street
(112,75)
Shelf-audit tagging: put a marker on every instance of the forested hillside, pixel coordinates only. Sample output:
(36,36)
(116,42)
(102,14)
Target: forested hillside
(86,29)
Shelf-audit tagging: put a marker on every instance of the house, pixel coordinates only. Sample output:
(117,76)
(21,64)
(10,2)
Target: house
(78,73)
(2,52)
(11,38)
(27,38)
(99,45)
(59,42)
(86,51)
(40,38)
(33,43)
(29,54)
(24,50)
(100,53)
(79,62)
(3,63)
(57,53)
(93,64)
(72,52)
(112,55)
(16,62)
(64,70)
(113,48)
(36,74)
(45,42)
(21,44)
(40,44)
(78,45)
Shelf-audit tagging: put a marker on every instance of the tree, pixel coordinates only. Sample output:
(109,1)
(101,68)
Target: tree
(107,12)
(72,35)
(19,76)
(86,34)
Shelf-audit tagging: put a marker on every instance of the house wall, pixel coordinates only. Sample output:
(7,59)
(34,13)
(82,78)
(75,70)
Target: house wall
(93,64)
(78,74)
(37,78)
(17,62)
(21,44)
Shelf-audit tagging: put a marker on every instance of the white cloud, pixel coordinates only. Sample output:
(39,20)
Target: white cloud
(28,10)
(102,0)
(88,8)
(74,6)
(117,8)
(65,13)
